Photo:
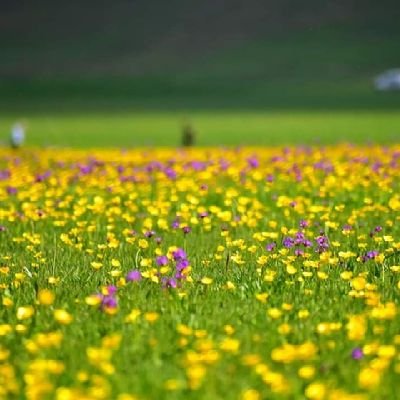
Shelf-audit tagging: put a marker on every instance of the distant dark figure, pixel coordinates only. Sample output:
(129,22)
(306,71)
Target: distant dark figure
(188,136)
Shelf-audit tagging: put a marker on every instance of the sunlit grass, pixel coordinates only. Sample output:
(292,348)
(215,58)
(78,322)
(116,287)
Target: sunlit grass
(132,129)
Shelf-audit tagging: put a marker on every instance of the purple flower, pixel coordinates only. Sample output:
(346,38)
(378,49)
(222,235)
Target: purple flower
(223,164)
(109,302)
(288,242)
(322,243)
(269,178)
(357,353)
(253,162)
(11,190)
(303,223)
(199,165)
(4,174)
(186,229)
(111,290)
(170,173)
(149,234)
(134,276)
(370,255)
(175,224)
(154,165)
(182,264)
(161,260)
(85,169)
(299,237)
(270,246)
(179,254)
(2,228)
(42,177)
(169,283)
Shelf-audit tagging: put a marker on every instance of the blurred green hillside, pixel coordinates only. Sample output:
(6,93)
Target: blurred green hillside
(197,54)
(64,62)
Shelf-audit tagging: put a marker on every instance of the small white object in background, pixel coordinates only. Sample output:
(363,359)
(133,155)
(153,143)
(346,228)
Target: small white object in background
(17,135)
(388,80)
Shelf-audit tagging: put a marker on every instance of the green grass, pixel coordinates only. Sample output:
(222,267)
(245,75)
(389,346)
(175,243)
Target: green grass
(54,228)
(131,129)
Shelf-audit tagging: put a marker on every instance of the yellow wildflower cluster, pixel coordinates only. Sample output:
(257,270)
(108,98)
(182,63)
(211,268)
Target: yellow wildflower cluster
(244,273)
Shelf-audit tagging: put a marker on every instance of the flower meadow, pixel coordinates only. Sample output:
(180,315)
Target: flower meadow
(212,273)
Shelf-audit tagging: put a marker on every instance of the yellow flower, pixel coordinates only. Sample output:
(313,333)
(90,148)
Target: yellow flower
(346,254)
(291,270)
(46,297)
(251,359)
(306,371)
(274,313)
(7,302)
(356,327)
(316,391)
(250,394)
(151,317)
(322,275)
(284,329)
(143,243)
(206,281)
(358,283)
(287,306)
(184,330)
(262,297)
(115,263)
(133,315)
(229,329)
(62,317)
(346,275)
(25,312)
(111,341)
(4,353)
(96,265)
(369,378)
(230,345)
(98,355)
(5,329)
(20,328)
(387,351)
(195,375)
(303,314)
(394,203)
(53,280)
(230,285)
(93,300)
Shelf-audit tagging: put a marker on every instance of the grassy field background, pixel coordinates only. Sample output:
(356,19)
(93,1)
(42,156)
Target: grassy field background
(130,129)
(126,76)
